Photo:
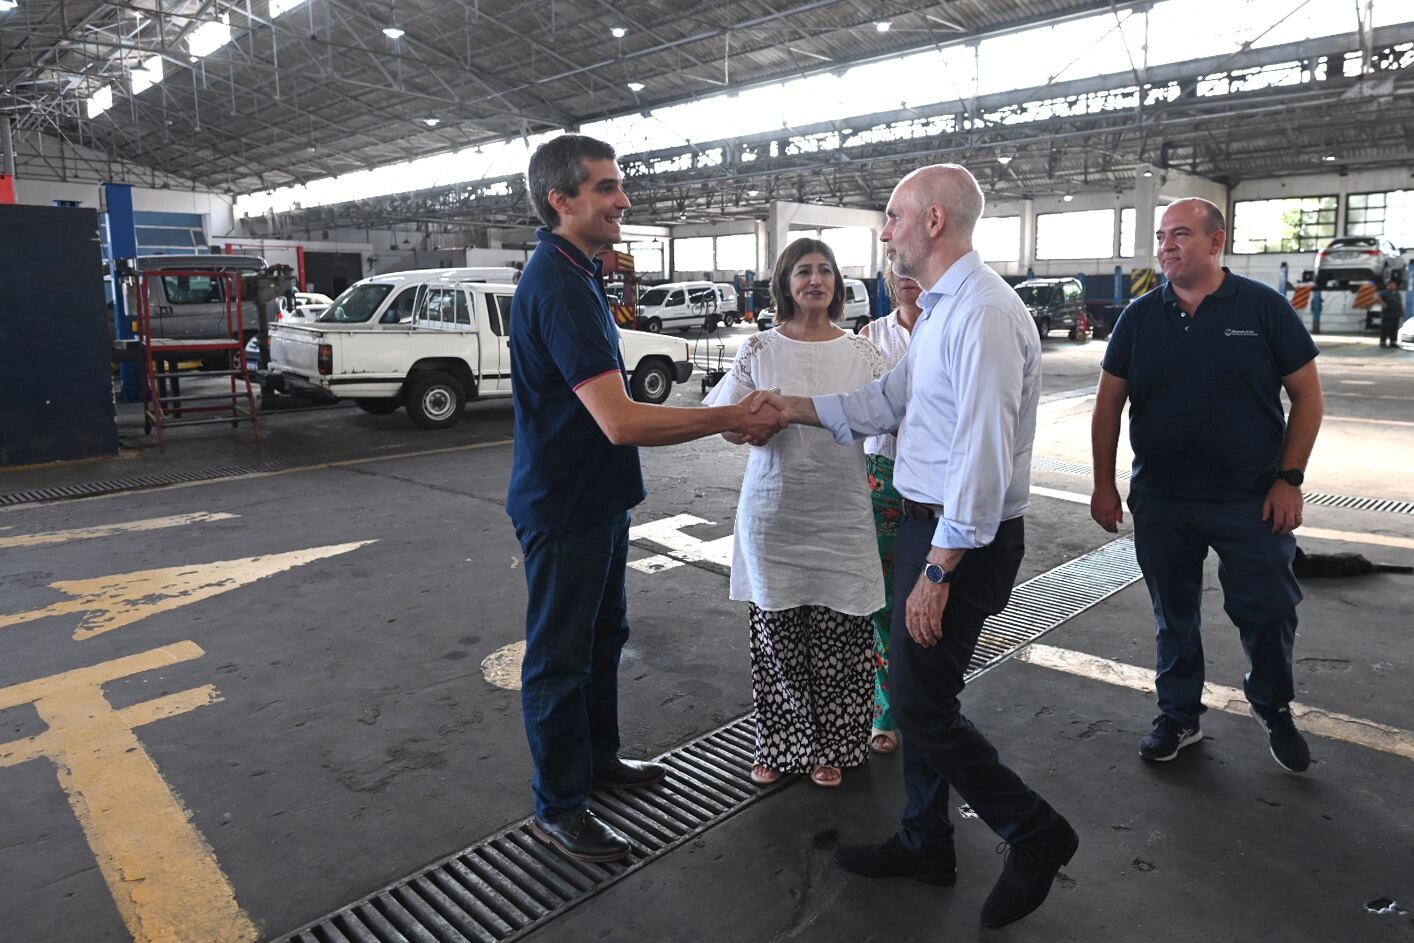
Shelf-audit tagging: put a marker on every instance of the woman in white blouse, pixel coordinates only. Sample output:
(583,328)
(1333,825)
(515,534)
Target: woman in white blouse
(804,557)
(889,334)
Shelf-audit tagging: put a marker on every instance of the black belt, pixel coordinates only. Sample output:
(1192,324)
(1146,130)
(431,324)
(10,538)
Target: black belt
(921,512)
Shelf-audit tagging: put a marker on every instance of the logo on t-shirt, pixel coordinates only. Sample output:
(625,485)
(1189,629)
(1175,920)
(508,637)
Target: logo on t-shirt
(1239,332)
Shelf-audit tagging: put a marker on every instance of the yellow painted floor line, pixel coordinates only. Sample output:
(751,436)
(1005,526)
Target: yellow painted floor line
(1313,720)
(111,530)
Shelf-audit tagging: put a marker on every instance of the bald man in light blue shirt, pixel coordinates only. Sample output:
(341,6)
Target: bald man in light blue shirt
(964,404)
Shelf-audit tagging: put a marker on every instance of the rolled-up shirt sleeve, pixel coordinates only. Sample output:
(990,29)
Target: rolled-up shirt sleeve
(987,373)
(874,409)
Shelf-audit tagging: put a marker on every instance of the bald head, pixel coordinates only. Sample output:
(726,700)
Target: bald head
(932,214)
(1206,210)
(951,187)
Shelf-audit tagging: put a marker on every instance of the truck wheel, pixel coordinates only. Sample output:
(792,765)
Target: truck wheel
(653,325)
(651,383)
(1079,334)
(860,324)
(381,406)
(1043,326)
(435,400)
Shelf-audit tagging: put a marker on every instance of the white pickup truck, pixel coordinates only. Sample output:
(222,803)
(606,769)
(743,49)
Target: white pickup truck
(454,348)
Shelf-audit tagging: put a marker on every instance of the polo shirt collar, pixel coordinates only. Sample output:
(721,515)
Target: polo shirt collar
(1227,289)
(575,254)
(952,280)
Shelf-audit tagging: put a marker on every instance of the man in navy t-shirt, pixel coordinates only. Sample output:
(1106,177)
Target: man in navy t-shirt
(1203,360)
(574,478)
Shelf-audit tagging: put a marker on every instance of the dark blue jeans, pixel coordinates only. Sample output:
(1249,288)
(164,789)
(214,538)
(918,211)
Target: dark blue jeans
(1260,593)
(941,747)
(576,624)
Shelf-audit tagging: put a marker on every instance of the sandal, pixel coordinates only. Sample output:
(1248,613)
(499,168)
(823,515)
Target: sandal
(764,775)
(883,741)
(828,777)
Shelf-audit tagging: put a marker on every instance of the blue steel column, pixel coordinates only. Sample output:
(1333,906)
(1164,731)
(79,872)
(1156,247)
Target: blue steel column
(122,244)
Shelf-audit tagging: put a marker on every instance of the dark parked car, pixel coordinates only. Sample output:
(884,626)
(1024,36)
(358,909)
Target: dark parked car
(1056,303)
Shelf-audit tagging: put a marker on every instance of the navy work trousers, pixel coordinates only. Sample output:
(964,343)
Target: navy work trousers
(941,747)
(576,624)
(1171,540)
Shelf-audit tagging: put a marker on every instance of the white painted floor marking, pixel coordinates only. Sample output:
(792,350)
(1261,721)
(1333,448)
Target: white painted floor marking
(1313,720)
(682,548)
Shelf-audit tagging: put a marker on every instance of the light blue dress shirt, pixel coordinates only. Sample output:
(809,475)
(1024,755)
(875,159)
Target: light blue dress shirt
(964,404)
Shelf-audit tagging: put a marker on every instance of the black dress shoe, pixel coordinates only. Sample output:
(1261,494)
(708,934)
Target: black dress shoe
(582,835)
(1030,870)
(892,860)
(630,774)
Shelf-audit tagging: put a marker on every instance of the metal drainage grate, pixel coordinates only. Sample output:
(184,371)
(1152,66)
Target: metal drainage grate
(1343,501)
(1072,468)
(1360,504)
(89,489)
(505,886)
(1056,596)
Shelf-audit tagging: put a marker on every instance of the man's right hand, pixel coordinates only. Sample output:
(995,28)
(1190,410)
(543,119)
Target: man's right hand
(1106,507)
(759,420)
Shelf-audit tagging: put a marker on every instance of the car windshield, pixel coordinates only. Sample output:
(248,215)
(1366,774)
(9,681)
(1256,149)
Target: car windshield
(356,305)
(655,296)
(1036,294)
(1352,243)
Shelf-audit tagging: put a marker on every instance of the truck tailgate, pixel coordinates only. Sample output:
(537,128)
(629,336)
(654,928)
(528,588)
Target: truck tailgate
(295,349)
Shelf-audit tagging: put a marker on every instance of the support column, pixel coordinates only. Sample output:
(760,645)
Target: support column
(1026,261)
(7,161)
(1144,200)
(122,244)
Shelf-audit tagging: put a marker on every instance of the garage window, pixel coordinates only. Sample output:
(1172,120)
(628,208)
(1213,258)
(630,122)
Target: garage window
(1296,224)
(737,253)
(1086,234)
(998,238)
(1126,229)
(1389,214)
(692,254)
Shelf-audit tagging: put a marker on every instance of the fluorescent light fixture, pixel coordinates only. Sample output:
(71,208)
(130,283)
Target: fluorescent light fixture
(1003,159)
(1148,173)
(209,37)
(431,122)
(7,5)
(394,32)
(618,32)
(100,101)
(883,26)
(1329,158)
(283,6)
(148,74)
(1067,198)
(753,192)
(635,86)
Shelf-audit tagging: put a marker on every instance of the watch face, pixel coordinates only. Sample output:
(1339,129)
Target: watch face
(935,573)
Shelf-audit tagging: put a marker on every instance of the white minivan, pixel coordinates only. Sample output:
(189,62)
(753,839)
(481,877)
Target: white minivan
(683,305)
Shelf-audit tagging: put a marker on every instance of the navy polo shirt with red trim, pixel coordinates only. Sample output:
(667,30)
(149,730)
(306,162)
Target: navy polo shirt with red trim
(565,471)
(1205,413)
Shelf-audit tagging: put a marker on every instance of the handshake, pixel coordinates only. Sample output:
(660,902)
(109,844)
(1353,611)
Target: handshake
(763,413)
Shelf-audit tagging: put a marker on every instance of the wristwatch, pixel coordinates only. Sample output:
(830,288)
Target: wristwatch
(1292,476)
(936,574)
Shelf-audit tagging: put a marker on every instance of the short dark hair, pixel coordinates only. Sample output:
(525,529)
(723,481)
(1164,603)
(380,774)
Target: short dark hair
(780,279)
(558,164)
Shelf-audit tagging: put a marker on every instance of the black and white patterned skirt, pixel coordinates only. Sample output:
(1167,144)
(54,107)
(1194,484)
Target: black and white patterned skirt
(812,681)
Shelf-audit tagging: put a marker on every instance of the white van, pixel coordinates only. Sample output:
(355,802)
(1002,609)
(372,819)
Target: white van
(194,306)
(683,305)
(856,308)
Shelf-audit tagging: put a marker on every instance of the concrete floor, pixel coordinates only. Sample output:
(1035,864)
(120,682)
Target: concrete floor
(352,738)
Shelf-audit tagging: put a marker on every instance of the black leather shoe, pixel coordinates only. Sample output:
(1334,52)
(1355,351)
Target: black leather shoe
(892,860)
(582,835)
(1029,872)
(630,774)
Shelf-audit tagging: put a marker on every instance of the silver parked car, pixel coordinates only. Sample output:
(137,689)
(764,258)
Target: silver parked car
(1359,259)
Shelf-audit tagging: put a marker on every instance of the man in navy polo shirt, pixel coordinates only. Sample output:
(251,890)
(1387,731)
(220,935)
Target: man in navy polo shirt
(1202,361)
(574,478)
